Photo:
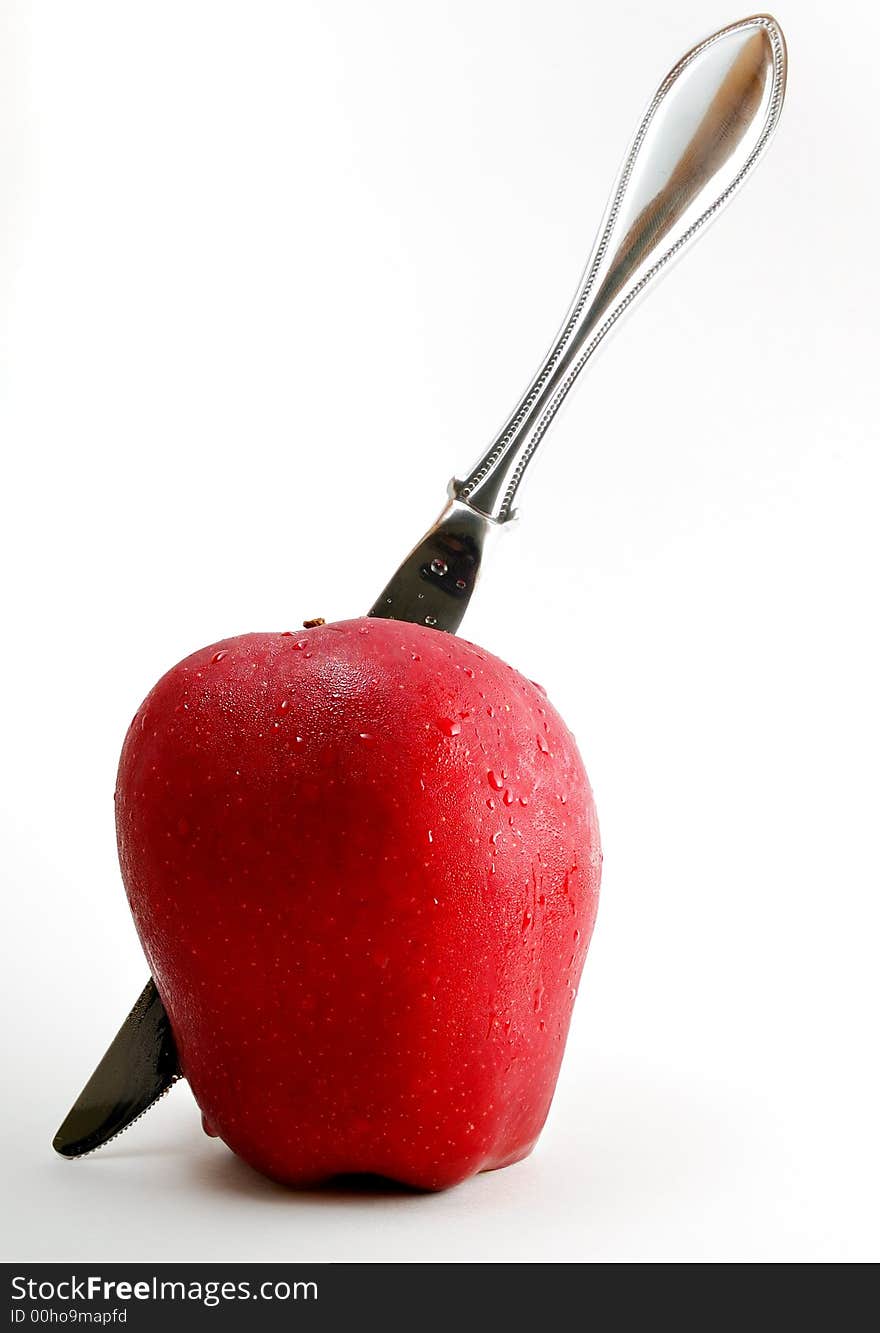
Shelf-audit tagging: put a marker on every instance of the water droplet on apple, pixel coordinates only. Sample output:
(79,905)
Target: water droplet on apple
(508,797)
(490,803)
(527,919)
(543,746)
(495,782)
(367,738)
(524,800)
(218,657)
(284,706)
(209,1128)
(450,726)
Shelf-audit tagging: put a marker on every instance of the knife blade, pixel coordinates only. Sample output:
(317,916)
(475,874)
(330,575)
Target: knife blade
(139,1067)
(706,127)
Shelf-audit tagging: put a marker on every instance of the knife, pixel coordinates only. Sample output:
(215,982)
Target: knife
(705,128)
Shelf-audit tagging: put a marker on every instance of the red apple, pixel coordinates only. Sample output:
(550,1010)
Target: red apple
(363,861)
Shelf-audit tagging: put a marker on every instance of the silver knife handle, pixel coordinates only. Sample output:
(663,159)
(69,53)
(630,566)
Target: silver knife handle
(705,128)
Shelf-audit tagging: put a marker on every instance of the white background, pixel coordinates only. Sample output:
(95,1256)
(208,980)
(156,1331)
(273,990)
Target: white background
(270,273)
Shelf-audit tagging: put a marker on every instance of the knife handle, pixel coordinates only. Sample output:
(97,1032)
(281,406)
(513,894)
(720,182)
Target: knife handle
(703,132)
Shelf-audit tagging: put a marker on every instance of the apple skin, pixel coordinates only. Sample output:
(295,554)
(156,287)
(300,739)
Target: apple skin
(363,861)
